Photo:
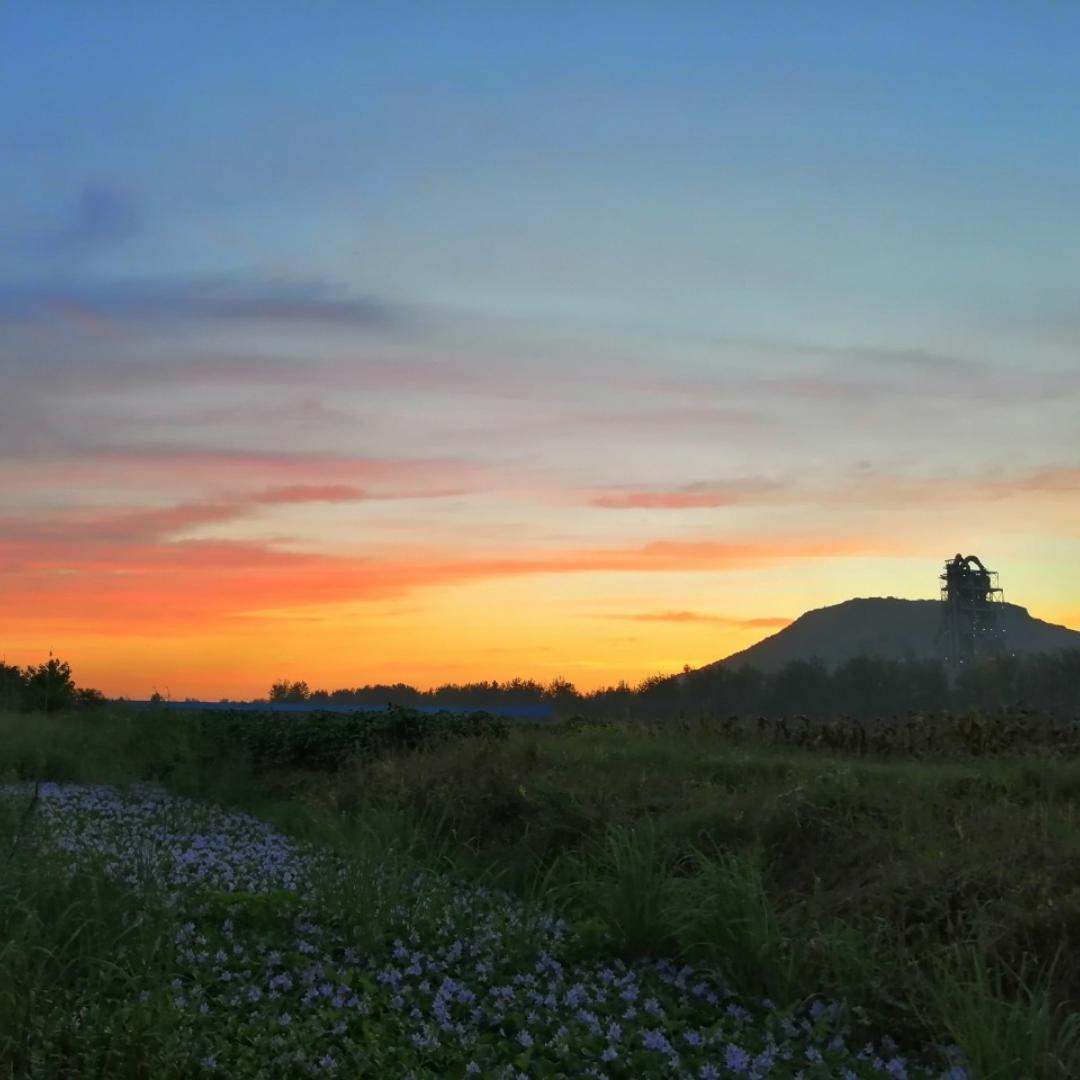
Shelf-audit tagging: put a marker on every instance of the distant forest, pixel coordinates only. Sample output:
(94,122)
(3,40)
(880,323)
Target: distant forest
(863,687)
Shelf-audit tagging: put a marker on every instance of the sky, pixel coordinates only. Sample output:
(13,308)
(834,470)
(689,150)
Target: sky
(426,343)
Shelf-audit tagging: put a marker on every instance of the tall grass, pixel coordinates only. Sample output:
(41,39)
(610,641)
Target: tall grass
(1004,1021)
(84,979)
(723,913)
(621,886)
(116,746)
(714,909)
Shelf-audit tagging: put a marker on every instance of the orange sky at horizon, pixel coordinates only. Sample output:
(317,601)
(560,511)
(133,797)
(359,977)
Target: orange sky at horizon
(144,602)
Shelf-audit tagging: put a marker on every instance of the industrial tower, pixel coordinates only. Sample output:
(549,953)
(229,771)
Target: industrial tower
(971,608)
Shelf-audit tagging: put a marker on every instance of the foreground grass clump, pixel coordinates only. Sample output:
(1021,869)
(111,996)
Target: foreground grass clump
(158,936)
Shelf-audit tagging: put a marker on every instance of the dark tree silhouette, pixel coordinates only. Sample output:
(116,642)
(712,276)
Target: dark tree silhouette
(289,693)
(12,686)
(49,686)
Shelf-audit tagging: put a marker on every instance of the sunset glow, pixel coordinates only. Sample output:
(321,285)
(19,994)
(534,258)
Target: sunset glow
(460,346)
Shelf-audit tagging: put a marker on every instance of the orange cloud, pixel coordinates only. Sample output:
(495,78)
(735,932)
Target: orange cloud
(689,498)
(125,574)
(765,622)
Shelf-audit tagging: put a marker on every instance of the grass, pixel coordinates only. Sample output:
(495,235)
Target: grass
(724,914)
(938,896)
(1006,1025)
(621,883)
(73,963)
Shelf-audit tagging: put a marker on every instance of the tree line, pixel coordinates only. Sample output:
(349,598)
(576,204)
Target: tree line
(45,687)
(863,687)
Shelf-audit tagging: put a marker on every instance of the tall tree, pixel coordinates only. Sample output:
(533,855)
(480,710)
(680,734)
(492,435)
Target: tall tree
(49,686)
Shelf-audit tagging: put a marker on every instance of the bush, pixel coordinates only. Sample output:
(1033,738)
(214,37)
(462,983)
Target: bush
(326,740)
(88,698)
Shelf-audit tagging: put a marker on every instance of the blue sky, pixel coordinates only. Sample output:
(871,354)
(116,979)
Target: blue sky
(515,156)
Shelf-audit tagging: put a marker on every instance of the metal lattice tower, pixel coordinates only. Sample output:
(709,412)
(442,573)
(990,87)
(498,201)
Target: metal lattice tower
(971,612)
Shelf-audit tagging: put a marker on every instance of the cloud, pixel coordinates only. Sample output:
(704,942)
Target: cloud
(961,487)
(687,497)
(862,356)
(765,622)
(865,486)
(163,464)
(1051,480)
(165,523)
(870,375)
(661,556)
(80,398)
(306,410)
(101,216)
(177,520)
(305,493)
(652,500)
(132,571)
(240,298)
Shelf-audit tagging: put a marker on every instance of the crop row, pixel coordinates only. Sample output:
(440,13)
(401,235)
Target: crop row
(1003,732)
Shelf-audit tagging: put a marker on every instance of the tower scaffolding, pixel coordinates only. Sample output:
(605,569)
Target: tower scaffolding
(972,604)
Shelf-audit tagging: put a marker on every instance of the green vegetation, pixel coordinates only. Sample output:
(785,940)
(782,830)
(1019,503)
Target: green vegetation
(321,740)
(74,965)
(933,887)
(848,872)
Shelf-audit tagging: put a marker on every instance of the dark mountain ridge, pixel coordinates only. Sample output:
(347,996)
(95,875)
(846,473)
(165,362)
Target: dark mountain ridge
(891,628)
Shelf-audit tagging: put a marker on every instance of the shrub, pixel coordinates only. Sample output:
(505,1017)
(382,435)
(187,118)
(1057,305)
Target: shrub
(326,740)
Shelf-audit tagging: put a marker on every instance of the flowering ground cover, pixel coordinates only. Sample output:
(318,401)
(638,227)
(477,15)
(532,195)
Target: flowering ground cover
(246,953)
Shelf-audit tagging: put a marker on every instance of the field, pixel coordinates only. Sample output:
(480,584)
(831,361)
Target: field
(225,895)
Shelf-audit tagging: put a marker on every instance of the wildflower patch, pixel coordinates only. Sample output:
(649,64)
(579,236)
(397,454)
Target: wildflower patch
(284,959)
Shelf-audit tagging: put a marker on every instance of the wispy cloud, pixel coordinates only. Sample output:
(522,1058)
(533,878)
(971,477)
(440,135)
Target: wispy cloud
(688,496)
(766,622)
(134,571)
(863,486)
(170,522)
(169,464)
(240,298)
(101,216)
(820,373)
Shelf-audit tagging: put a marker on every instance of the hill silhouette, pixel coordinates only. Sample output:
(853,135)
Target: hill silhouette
(887,627)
